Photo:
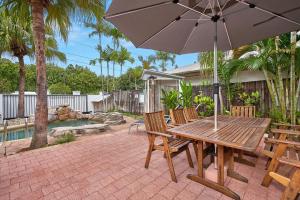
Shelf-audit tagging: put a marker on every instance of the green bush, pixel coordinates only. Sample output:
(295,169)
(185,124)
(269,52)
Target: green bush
(251,99)
(186,94)
(206,104)
(60,88)
(276,115)
(66,138)
(170,98)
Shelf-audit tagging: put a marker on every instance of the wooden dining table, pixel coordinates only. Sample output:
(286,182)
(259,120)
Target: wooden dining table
(233,133)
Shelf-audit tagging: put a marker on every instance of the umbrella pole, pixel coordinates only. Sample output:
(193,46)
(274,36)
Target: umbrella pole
(216,86)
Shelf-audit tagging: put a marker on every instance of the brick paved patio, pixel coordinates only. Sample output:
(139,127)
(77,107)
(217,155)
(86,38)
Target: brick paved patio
(110,166)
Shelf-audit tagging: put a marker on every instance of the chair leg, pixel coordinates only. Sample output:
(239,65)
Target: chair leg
(169,159)
(189,157)
(150,149)
(293,188)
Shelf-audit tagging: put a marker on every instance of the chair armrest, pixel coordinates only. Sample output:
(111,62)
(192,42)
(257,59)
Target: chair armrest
(291,162)
(160,134)
(289,143)
(286,125)
(289,132)
(171,126)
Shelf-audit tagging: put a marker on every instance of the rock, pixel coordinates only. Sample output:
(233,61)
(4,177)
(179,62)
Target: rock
(63,117)
(112,118)
(72,115)
(79,130)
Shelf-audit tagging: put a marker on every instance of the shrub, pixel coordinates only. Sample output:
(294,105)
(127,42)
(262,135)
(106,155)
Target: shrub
(66,138)
(206,104)
(276,115)
(251,99)
(170,98)
(60,88)
(186,94)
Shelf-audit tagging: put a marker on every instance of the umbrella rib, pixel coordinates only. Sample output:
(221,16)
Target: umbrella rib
(192,9)
(152,36)
(225,25)
(269,12)
(161,30)
(188,39)
(137,9)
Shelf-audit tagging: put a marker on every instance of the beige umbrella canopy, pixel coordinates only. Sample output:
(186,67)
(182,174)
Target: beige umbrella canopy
(188,26)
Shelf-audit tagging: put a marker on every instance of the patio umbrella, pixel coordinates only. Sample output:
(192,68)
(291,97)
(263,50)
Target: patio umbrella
(188,26)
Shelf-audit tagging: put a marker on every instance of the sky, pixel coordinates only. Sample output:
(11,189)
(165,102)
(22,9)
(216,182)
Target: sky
(80,49)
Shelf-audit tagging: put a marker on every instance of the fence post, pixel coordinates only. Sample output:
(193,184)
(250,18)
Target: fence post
(1,109)
(86,103)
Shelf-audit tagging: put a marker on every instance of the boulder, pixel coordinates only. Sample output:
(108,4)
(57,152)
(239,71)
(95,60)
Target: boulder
(79,130)
(112,118)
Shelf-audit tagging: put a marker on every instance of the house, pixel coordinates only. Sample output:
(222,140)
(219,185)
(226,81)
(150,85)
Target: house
(156,81)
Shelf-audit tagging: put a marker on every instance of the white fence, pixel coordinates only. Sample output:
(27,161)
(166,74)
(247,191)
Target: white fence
(9,104)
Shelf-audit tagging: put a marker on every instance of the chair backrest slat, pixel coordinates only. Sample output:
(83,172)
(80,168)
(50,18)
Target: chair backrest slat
(177,116)
(242,111)
(190,113)
(155,122)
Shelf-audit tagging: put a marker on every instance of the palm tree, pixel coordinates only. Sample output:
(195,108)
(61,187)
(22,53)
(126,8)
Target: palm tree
(123,56)
(99,28)
(116,36)
(58,13)
(107,56)
(147,63)
(16,36)
(164,57)
(18,41)
(269,56)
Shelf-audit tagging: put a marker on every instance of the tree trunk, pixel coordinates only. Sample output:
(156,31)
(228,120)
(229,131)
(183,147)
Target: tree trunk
(100,61)
(221,101)
(107,80)
(297,95)
(21,87)
(270,88)
(39,138)
(279,80)
(293,78)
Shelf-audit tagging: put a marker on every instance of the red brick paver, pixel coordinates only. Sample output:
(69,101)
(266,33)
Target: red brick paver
(111,166)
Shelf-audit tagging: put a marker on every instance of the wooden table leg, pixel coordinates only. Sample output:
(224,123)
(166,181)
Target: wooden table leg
(220,153)
(208,183)
(230,171)
(215,186)
(200,158)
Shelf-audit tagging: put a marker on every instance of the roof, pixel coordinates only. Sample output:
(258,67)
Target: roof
(185,69)
(159,75)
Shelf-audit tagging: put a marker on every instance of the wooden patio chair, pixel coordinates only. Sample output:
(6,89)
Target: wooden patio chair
(156,126)
(292,184)
(242,111)
(178,118)
(283,135)
(249,112)
(191,114)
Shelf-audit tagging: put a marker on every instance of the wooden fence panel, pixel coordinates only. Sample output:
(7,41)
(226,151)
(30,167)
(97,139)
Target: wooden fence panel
(265,104)
(125,101)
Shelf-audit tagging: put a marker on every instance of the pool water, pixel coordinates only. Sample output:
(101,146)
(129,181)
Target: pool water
(23,133)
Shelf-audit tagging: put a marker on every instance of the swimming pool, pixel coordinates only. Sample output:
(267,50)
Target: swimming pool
(23,133)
